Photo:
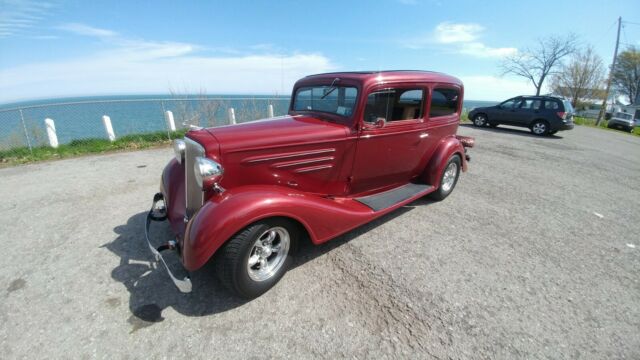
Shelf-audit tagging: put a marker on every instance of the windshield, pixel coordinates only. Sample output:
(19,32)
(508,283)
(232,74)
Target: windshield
(339,100)
(624,116)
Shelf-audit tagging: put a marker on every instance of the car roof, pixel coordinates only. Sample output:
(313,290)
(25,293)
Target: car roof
(386,76)
(542,97)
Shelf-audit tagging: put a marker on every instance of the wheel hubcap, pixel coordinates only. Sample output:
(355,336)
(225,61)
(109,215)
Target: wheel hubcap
(449,176)
(480,120)
(268,253)
(539,128)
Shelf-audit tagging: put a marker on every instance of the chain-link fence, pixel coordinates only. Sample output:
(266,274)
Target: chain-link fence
(26,127)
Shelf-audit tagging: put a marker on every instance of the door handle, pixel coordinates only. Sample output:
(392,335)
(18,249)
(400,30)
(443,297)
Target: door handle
(424,135)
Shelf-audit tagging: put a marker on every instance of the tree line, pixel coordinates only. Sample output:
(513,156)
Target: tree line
(574,70)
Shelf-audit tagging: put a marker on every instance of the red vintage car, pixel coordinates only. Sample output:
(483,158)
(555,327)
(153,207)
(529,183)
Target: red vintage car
(354,146)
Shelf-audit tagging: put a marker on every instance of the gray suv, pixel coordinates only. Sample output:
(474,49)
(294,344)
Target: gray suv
(543,115)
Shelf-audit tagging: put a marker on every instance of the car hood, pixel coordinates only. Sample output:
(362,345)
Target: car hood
(281,131)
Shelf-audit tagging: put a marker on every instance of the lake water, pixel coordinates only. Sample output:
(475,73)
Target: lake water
(81,117)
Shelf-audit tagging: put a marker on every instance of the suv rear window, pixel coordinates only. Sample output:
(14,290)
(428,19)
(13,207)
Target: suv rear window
(567,106)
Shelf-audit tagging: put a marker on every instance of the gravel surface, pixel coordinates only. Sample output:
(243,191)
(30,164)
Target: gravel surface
(536,254)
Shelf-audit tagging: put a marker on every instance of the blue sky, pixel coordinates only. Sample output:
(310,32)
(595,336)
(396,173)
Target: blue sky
(74,48)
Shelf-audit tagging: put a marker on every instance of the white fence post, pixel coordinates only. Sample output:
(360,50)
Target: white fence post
(108,128)
(168,116)
(51,132)
(270,111)
(232,116)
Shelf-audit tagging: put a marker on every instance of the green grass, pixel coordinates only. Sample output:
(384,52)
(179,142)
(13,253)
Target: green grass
(23,155)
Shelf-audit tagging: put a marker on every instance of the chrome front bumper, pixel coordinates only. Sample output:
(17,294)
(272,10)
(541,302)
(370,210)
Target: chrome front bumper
(158,213)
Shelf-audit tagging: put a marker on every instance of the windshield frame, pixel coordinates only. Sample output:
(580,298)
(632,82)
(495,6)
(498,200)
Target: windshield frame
(329,116)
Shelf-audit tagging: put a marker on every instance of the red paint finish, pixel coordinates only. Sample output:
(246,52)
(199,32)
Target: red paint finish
(309,166)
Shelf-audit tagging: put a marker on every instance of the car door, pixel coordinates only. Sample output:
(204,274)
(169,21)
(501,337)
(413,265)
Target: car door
(392,138)
(523,112)
(503,112)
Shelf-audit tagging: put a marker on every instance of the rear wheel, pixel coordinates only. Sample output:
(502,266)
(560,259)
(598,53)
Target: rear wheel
(480,120)
(449,178)
(257,257)
(540,127)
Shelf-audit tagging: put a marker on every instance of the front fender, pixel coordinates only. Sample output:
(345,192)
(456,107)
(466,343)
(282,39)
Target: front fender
(449,146)
(223,216)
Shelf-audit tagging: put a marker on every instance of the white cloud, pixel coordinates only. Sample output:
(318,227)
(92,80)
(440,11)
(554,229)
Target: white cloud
(86,30)
(139,66)
(18,16)
(462,38)
(479,49)
(447,33)
(493,88)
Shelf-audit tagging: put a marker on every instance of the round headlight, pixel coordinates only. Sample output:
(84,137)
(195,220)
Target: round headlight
(178,149)
(207,172)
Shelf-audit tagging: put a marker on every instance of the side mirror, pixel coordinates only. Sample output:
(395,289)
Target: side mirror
(380,122)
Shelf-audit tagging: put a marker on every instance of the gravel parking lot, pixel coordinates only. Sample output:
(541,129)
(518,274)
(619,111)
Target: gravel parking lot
(536,254)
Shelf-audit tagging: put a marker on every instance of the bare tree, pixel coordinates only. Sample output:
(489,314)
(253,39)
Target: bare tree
(626,75)
(538,63)
(581,78)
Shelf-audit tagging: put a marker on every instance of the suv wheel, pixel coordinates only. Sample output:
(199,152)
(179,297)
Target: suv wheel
(480,120)
(540,127)
(449,178)
(257,257)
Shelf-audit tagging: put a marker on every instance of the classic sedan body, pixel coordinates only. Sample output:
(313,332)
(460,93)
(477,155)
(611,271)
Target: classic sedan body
(353,147)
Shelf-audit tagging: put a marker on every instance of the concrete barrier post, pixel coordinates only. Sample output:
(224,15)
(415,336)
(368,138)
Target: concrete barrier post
(51,132)
(270,111)
(232,116)
(171,124)
(106,121)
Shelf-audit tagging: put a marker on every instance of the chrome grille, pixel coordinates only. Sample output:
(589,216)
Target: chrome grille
(194,196)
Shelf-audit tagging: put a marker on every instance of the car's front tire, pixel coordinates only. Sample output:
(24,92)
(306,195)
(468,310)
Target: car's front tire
(448,179)
(540,128)
(480,120)
(257,257)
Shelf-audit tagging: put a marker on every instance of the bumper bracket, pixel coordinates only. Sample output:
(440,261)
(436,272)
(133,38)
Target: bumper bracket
(158,213)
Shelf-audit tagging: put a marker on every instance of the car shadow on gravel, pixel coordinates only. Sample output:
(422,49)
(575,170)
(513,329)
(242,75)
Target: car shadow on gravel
(519,131)
(151,290)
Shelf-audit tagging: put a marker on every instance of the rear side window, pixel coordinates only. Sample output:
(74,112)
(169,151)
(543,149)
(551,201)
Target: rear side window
(551,105)
(444,102)
(531,104)
(394,105)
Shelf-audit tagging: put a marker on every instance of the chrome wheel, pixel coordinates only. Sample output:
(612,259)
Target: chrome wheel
(480,120)
(449,177)
(268,254)
(539,128)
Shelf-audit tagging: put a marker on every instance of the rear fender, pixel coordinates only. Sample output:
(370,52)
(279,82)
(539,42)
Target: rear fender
(449,146)
(225,215)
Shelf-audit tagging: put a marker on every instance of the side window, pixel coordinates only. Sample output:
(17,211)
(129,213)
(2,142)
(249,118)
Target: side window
(526,104)
(444,102)
(509,104)
(551,105)
(394,105)
(530,104)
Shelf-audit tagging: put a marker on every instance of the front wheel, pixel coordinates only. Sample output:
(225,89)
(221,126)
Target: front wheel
(257,257)
(449,178)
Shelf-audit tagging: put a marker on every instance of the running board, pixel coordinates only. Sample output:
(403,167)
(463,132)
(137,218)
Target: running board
(392,197)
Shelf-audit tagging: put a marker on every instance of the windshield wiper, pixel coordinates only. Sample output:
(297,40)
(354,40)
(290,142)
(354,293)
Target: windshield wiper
(331,88)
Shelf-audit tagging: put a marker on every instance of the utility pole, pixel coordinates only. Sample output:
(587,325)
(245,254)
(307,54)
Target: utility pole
(603,108)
